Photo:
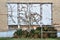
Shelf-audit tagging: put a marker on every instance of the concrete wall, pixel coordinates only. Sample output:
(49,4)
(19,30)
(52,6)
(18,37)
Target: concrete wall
(3,11)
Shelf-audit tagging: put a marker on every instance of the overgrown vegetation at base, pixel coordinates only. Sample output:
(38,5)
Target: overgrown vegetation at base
(36,33)
(29,39)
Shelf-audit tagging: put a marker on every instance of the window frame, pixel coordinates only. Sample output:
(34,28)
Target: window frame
(36,3)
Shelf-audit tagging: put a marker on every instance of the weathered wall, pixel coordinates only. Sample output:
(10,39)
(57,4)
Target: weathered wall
(3,11)
(3,15)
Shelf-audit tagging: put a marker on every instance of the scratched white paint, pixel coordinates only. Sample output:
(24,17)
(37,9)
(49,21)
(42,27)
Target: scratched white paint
(7,34)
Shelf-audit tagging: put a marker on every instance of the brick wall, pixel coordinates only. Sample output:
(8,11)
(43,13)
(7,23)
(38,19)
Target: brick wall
(3,11)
